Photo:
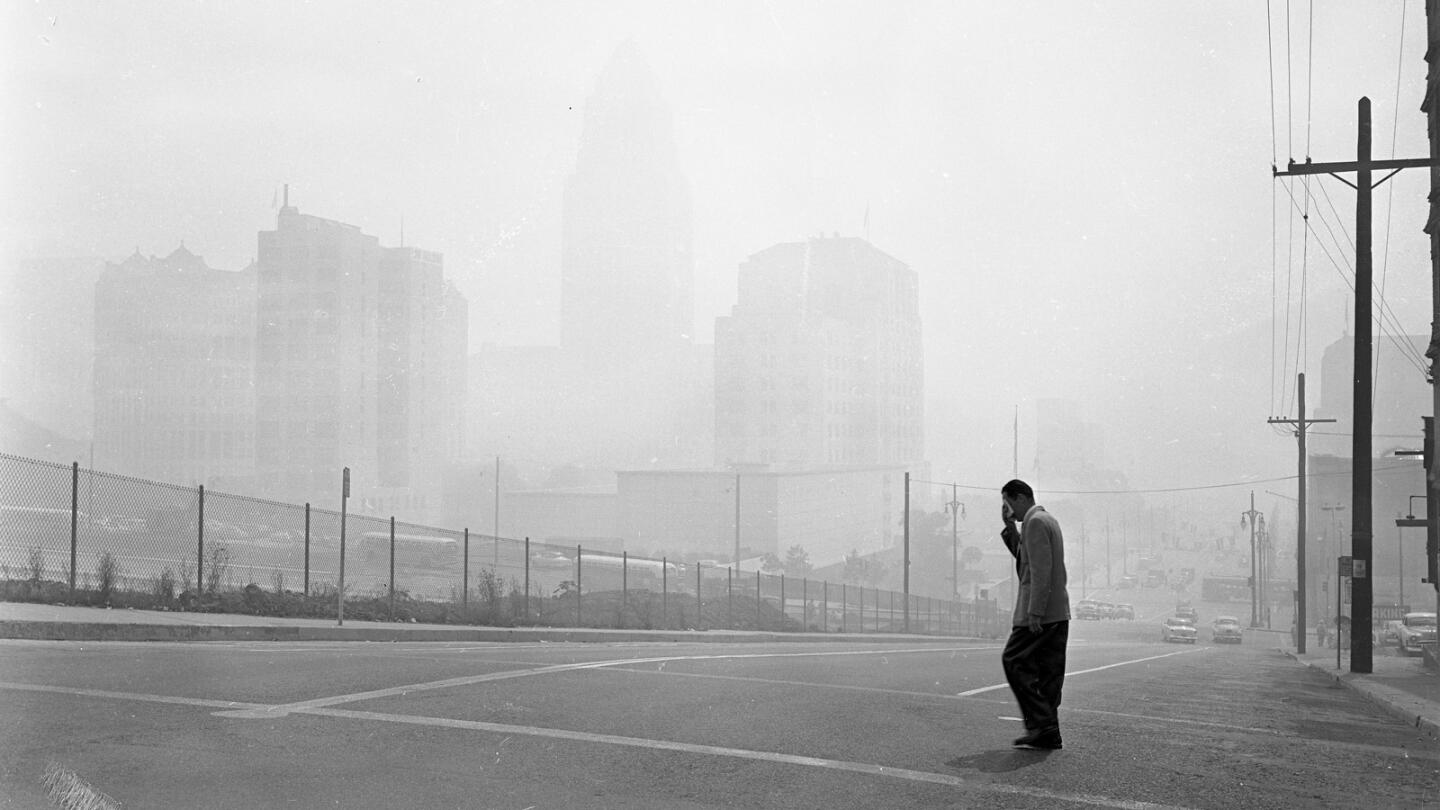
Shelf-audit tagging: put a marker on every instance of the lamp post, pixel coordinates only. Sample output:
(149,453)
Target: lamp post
(1255,520)
(957,511)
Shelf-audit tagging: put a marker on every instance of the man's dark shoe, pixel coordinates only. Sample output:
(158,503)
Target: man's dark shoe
(1047,739)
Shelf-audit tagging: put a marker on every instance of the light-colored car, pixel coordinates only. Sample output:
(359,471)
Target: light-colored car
(1124,611)
(1087,609)
(1413,630)
(1226,630)
(1177,629)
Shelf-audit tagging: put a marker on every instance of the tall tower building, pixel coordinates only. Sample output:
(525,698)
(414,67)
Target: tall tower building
(627,271)
(174,384)
(360,360)
(820,361)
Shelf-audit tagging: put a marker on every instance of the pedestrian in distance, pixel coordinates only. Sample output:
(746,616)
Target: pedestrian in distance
(1034,656)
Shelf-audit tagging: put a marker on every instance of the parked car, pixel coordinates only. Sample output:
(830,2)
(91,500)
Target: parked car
(1124,611)
(1177,629)
(1107,609)
(1226,630)
(1087,609)
(1413,630)
(1155,578)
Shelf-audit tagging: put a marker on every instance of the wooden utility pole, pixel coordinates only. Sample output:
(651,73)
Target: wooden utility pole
(1362,643)
(1300,592)
(1431,108)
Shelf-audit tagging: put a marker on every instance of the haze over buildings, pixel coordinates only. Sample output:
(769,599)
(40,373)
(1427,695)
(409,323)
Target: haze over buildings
(1146,284)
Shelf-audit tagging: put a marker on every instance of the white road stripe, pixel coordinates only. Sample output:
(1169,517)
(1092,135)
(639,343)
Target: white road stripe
(105,693)
(467,680)
(984,689)
(864,768)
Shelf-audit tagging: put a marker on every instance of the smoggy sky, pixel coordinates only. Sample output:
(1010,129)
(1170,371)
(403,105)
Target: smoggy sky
(1083,187)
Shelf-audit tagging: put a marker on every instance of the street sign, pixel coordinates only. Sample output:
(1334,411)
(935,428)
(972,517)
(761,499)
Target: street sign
(1359,568)
(1347,566)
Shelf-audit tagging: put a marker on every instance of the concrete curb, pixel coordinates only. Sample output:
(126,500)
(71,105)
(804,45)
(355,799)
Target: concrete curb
(107,631)
(1371,692)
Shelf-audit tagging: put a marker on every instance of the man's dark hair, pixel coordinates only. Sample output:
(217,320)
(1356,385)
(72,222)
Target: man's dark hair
(1015,487)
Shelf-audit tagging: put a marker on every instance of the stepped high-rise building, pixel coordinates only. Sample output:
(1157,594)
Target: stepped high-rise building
(174,362)
(360,364)
(626,386)
(627,273)
(820,361)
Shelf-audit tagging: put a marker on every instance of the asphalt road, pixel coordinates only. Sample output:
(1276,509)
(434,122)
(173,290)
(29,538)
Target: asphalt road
(815,725)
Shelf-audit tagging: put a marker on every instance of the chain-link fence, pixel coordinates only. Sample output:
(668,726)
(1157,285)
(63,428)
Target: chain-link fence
(81,535)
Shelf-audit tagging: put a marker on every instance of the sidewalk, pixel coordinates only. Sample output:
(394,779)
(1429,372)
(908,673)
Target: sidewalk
(21,620)
(1402,686)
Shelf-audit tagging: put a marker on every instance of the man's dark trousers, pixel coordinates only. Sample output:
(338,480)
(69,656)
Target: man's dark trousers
(1035,667)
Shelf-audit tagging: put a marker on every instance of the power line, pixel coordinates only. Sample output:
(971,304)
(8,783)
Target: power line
(1383,311)
(1161,490)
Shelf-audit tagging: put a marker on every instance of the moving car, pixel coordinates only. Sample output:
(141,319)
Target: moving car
(1129,581)
(1107,609)
(1124,611)
(1226,630)
(1413,630)
(1088,609)
(1187,612)
(1177,629)
(1155,578)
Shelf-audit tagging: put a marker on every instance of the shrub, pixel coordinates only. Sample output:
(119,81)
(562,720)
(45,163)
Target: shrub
(164,588)
(107,575)
(218,566)
(36,568)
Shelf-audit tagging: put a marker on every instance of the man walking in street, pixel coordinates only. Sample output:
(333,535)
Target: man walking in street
(1034,657)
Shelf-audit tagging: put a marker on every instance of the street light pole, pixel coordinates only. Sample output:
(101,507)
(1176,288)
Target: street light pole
(956,509)
(1249,516)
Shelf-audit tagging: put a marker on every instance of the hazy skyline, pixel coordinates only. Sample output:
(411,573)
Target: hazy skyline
(1083,188)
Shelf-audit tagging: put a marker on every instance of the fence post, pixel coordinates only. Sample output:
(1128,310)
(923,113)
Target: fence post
(200,534)
(844,607)
(392,568)
(825,610)
(527,579)
(340,592)
(782,602)
(579,570)
(465,572)
(699,604)
(624,586)
(74,519)
(758,624)
(805,604)
(730,596)
(307,550)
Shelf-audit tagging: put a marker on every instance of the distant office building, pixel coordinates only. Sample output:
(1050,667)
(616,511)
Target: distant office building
(174,352)
(693,514)
(47,350)
(820,361)
(626,386)
(1070,449)
(1401,395)
(627,273)
(360,363)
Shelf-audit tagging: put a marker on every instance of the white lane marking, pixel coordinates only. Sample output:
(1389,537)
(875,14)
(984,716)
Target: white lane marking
(467,680)
(984,689)
(782,682)
(864,768)
(106,693)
